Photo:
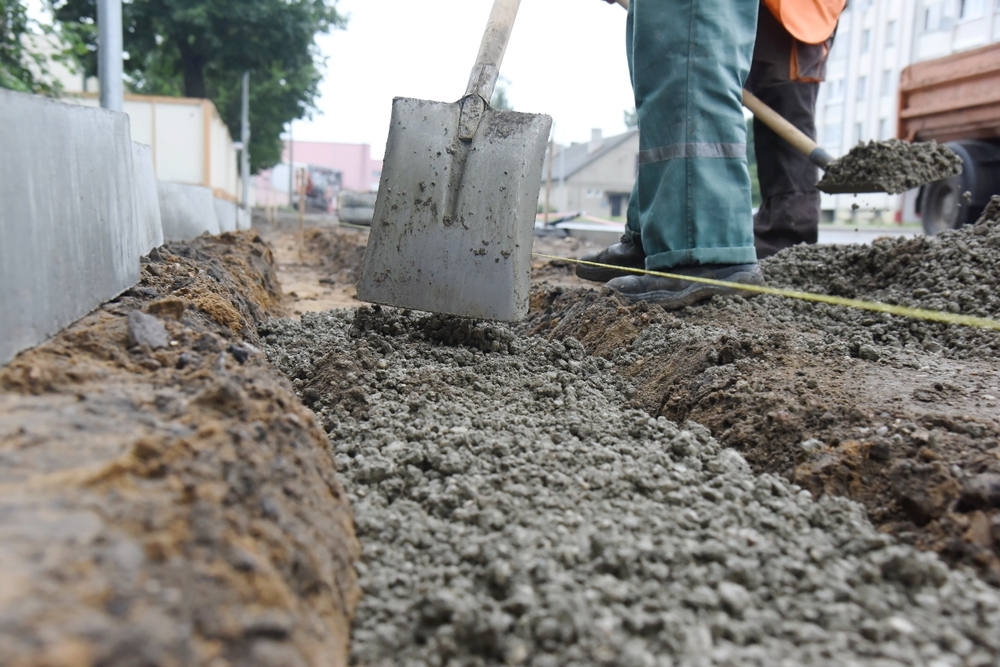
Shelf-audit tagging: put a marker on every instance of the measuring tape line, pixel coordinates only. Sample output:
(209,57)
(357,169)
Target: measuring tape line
(873,306)
(902,311)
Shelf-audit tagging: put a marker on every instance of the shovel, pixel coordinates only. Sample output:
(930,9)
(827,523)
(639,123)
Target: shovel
(455,212)
(800,141)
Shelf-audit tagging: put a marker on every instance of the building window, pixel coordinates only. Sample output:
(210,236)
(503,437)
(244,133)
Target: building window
(862,91)
(972,9)
(883,129)
(866,40)
(890,34)
(835,91)
(859,131)
(932,17)
(832,135)
(887,83)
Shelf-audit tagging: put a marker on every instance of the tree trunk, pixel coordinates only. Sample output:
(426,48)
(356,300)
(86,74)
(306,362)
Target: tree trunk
(193,69)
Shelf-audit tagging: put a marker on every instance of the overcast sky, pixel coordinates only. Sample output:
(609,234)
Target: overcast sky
(566,58)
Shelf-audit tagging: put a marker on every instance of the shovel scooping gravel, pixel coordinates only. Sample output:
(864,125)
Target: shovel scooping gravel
(455,211)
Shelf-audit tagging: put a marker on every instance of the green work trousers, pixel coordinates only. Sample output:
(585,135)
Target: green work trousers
(691,200)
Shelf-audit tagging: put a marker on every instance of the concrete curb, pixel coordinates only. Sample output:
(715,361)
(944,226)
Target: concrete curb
(70,230)
(146,200)
(187,211)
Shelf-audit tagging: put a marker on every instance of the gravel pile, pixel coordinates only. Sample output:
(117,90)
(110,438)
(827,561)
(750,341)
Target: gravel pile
(957,271)
(511,512)
(897,166)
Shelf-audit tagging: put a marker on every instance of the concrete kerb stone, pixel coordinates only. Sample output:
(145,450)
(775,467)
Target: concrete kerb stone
(187,211)
(70,236)
(147,202)
(231,216)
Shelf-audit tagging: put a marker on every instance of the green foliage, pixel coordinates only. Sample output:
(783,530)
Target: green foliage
(200,48)
(631,118)
(23,67)
(500,100)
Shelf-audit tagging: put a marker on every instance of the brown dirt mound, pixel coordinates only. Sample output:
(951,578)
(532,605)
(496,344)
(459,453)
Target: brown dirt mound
(912,436)
(165,499)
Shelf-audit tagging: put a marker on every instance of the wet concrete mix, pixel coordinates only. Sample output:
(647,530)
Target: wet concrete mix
(895,166)
(544,494)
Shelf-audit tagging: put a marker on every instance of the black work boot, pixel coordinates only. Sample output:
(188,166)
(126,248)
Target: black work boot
(626,253)
(674,293)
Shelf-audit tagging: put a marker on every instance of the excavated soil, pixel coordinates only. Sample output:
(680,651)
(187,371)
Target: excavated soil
(894,165)
(165,499)
(317,266)
(898,414)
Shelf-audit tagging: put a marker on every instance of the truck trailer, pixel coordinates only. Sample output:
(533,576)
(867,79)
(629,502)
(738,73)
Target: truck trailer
(954,100)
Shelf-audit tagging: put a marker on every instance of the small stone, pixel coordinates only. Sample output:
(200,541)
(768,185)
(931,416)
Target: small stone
(240,352)
(869,353)
(735,599)
(811,445)
(146,330)
(980,493)
(880,452)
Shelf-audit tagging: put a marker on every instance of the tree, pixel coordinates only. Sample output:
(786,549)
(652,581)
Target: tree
(500,100)
(27,47)
(200,48)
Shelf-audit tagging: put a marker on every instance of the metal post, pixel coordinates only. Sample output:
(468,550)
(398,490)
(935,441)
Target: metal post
(562,178)
(245,138)
(548,179)
(109,53)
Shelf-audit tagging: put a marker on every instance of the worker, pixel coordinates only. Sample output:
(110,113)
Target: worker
(690,210)
(794,38)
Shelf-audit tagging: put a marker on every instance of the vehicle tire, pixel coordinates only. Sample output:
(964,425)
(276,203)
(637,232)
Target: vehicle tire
(945,204)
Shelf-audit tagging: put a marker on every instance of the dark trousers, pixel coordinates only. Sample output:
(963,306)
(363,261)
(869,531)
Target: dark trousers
(785,75)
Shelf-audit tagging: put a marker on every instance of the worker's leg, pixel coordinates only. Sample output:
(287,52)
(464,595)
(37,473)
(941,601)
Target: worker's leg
(789,211)
(690,59)
(785,75)
(628,254)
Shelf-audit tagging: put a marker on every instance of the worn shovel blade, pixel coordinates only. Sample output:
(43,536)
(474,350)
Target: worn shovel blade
(454,220)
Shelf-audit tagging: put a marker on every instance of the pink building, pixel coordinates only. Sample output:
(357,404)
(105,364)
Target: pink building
(359,172)
(354,161)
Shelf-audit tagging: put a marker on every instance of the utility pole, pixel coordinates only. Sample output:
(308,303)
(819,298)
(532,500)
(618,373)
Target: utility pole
(245,138)
(109,53)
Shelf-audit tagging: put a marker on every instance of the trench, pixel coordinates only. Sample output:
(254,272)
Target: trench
(546,495)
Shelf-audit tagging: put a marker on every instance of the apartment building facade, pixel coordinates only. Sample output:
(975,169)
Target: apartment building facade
(875,41)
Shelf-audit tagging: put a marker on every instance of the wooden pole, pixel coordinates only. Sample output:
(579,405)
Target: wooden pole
(302,213)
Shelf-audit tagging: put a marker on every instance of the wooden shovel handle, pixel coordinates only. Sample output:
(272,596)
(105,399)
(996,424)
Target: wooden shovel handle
(487,69)
(779,125)
(786,130)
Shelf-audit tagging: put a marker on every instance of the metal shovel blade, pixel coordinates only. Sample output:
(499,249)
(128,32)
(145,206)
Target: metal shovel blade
(454,219)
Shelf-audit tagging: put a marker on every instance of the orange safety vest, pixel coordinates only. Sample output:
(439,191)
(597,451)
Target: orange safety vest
(809,21)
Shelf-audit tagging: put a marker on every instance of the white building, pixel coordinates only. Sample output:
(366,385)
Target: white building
(875,41)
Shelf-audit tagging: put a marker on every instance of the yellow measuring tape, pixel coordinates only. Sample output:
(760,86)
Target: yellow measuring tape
(874,306)
(903,311)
